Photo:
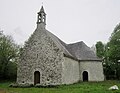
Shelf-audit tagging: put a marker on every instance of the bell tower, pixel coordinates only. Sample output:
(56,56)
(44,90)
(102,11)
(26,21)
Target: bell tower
(41,16)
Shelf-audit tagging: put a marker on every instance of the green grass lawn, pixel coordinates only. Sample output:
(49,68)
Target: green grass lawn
(83,87)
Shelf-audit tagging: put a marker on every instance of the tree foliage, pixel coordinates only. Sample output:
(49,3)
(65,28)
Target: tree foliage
(111,55)
(114,50)
(100,49)
(114,44)
(8,55)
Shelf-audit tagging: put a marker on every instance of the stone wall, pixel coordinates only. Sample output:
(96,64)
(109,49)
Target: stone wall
(40,54)
(70,71)
(94,69)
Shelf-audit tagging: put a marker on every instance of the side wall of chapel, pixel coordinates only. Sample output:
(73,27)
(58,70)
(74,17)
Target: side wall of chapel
(70,71)
(94,69)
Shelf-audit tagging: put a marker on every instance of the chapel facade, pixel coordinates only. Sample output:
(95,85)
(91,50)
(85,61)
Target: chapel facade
(47,60)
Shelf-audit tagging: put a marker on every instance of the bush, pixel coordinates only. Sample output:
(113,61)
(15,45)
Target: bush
(46,86)
(11,71)
(23,85)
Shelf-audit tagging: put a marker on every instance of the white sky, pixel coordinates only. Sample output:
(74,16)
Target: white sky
(70,20)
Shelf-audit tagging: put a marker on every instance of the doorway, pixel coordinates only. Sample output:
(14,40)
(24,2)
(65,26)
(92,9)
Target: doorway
(85,76)
(36,77)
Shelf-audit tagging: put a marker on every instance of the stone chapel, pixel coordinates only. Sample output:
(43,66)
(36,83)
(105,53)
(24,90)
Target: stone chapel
(47,60)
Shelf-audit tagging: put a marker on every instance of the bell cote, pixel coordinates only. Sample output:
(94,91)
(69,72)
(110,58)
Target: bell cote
(41,16)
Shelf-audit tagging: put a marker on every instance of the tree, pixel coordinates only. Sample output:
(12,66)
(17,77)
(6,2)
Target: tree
(114,50)
(8,54)
(112,55)
(100,49)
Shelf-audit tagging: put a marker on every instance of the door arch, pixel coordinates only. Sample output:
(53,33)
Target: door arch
(36,77)
(85,76)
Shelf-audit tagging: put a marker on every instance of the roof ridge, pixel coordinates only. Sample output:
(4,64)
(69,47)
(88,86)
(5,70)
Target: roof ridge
(76,43)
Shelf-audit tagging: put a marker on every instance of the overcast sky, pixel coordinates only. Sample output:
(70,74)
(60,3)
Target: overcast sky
(70,20)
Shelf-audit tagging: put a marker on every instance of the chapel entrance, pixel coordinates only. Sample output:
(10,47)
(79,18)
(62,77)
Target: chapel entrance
(85,76)
(36,77)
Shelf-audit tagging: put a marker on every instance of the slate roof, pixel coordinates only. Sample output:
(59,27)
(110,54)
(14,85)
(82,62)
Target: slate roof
(81,51)
(78,51)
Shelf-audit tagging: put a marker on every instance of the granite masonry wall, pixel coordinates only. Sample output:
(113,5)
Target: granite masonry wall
(41,54)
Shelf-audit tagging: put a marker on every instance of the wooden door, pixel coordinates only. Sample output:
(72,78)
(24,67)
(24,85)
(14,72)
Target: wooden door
(36,77)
